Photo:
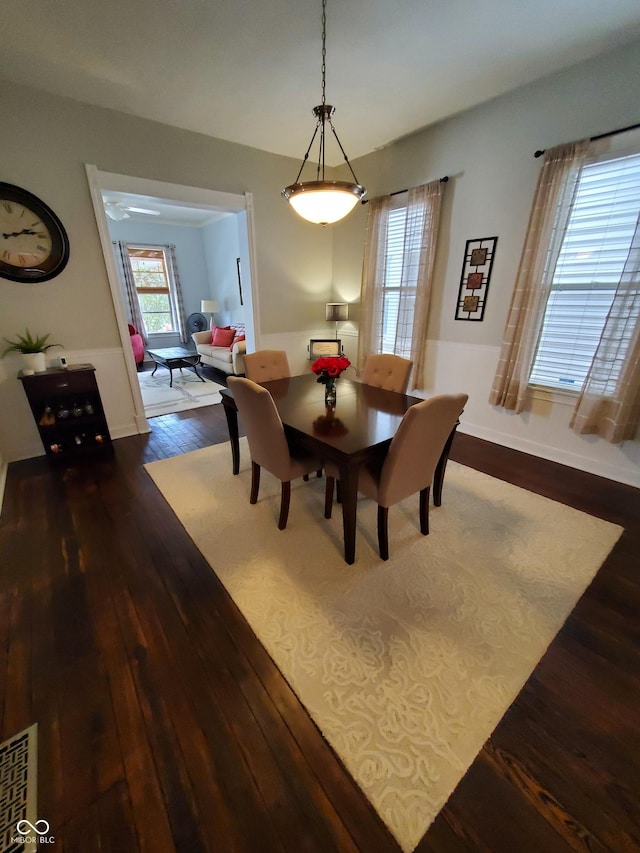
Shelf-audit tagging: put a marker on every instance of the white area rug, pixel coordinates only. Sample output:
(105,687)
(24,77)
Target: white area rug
(405,666)
(188,392)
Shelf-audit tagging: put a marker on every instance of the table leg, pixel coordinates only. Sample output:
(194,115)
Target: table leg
(155,368)
(234,437)
(170,377)
(349,494)
(195,370)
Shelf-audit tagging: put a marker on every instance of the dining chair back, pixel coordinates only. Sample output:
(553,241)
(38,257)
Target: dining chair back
(268,445)
(266,364)
(387,371)
(410,463)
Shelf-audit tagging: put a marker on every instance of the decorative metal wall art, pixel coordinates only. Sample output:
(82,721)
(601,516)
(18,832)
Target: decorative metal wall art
(239,280)
(474,281)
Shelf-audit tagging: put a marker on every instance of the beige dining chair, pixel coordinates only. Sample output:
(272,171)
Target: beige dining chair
(387,371)
(266,364)
(410,463)
(268,444)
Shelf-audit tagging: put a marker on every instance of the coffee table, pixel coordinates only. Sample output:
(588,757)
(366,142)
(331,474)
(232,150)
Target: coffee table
(172,357)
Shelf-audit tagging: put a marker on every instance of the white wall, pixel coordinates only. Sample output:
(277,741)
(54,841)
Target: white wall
(488,154)
(223,240)
(46,142)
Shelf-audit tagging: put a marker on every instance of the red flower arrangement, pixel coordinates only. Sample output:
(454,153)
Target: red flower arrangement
(328,368)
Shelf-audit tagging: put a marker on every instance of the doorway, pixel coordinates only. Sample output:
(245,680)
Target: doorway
(144,200)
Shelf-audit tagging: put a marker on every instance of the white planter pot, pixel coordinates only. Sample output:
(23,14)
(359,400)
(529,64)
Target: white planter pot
(35,361)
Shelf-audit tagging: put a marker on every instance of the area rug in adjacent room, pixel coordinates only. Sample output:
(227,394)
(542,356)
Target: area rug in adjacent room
(406,666)
(188,392)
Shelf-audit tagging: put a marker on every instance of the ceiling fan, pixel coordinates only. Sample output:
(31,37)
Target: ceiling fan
(118,210)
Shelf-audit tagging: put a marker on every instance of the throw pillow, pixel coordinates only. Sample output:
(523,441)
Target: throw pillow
(235,340)
(222,337)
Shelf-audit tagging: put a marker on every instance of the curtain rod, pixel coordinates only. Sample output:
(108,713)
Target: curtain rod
(600,136)
(399,192)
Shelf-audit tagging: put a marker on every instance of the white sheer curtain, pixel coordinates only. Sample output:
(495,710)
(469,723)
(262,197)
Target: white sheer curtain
(398,273)
(609,405)
(550,213)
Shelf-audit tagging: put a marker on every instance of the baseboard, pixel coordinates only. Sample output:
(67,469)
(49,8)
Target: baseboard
(627,475)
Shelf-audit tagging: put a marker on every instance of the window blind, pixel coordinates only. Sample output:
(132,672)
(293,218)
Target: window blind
(590,263)
(401,268)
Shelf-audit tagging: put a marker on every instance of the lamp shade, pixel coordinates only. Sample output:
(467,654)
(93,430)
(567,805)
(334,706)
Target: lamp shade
(336,311)
(209,306)
(323,202)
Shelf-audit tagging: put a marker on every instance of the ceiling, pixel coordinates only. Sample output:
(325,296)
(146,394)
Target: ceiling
(151,209)
(249,71)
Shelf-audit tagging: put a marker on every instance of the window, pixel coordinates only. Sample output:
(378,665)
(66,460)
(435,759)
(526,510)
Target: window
(403,246)
(397,275)
(390,291)
(153,286)
(594,250)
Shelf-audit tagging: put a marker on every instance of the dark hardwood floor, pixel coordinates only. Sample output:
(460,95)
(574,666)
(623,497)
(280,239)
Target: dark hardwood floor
(164,726)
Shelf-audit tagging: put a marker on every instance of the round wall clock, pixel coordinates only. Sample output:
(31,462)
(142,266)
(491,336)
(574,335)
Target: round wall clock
(34,246)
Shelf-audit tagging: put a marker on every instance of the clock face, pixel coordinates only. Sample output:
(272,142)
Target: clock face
(33,243)
(25,240)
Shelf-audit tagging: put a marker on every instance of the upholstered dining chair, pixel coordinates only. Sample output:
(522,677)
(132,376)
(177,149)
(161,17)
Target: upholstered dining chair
(387,371)
(268,444)
(410,463)
(266,364)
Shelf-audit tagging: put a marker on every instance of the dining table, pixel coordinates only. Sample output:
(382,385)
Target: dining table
(356,431)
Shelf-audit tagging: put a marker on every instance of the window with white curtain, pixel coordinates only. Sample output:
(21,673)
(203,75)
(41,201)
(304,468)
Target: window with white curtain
(590,262)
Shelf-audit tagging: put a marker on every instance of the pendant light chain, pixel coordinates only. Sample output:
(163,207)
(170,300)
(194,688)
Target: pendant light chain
(322,201)
(323,117)
(324,51)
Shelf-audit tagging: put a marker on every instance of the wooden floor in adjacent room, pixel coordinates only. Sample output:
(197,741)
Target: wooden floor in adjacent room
(164,726)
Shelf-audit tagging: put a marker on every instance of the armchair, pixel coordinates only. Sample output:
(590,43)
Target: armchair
(137,344)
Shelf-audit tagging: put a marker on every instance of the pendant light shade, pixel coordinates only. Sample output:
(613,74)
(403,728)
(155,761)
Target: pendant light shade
(321,201)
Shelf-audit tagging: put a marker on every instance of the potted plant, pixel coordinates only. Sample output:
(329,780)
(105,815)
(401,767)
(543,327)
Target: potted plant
(32,349)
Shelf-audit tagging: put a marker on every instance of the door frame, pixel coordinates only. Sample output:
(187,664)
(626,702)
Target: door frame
(100,181)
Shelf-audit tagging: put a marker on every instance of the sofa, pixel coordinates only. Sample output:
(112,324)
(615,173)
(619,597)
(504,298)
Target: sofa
(228,358)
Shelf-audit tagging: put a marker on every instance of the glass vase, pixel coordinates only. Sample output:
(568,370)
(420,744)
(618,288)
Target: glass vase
(330,392)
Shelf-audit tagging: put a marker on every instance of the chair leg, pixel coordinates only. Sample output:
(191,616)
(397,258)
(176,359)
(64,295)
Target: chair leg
(339,493)
(305,477)
(424,511)
(383,531)
(255,482)
(319,473)
(328,497)
(285,498)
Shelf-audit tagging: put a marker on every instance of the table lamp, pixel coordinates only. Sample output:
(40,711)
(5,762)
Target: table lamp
(335,312)
(209,306)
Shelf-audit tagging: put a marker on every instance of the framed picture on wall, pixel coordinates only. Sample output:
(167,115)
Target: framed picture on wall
(239,280)
(474,281)
(322,347)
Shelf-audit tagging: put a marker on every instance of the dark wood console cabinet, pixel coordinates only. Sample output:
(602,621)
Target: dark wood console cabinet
(68,412)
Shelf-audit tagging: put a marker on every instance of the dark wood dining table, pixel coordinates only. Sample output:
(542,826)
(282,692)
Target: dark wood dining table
(356,432)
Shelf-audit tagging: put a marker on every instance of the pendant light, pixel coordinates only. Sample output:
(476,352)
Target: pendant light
(321,201)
